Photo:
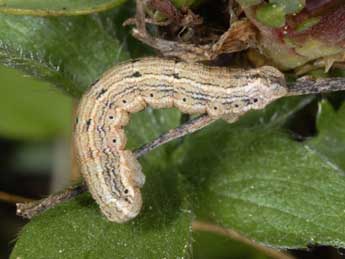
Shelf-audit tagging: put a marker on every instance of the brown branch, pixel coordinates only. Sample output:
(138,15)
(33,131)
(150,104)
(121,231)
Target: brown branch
(140,16)
(12,198)
(189,52)
(186,128)
(133,21)
(307,85)
(31,209)
(240,36)
(207,227)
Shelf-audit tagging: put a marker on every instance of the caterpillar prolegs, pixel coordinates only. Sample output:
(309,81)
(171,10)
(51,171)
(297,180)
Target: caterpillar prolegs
(112,173)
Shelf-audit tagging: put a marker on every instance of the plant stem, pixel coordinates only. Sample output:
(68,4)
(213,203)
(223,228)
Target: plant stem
(208,227)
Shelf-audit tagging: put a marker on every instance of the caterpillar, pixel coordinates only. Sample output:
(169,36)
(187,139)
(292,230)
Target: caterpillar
(112,173)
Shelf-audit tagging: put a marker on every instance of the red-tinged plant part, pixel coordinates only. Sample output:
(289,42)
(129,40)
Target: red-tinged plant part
(291,39)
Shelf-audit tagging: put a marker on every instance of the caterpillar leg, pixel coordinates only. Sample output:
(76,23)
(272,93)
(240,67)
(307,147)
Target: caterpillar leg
(230,117)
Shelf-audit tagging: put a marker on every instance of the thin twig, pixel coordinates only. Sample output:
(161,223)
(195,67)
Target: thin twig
(207,227)
(189,52)
(306,85)
(31,209)
(186,51)
(133,21)
(12,198)
(186,128)
(140,16)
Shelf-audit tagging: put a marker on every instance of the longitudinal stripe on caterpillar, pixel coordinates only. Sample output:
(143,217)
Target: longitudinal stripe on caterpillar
(113,175)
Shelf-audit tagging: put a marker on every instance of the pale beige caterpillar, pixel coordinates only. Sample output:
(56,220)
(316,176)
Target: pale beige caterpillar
(113,174)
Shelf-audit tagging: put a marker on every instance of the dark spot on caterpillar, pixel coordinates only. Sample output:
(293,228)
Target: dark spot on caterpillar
(114,140)
(184,99)
(90,153)
(151,94)
(247,101)
(100,129)
(88,123)
(236,105)
(76,120)
(176,76)
(103,91)
(255,100)
(126,191)
(136,74)
(124,101)
(255,76)
(111,117)
(95,82)
(215,108)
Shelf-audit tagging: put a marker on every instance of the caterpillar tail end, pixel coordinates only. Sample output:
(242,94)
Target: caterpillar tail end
(123,210)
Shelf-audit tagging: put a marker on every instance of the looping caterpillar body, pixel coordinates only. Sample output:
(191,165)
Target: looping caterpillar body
(113,175)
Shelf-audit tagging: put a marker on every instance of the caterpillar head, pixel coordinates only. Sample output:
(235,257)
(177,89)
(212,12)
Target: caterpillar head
(262,86)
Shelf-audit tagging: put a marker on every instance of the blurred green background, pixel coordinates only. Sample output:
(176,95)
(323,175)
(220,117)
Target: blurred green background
(35,131)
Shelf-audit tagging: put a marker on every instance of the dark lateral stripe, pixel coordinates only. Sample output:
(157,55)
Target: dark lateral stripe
(100,130)
(95,82)
(135,60)
(159,87)
(136,74)
(201,84)
(103,91)
(88,123)
(194,93)
(176,76)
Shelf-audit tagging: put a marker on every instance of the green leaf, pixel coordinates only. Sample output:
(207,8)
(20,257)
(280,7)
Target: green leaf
(272,15)
(290,6)
(265,185)
(248,3)
(30,109)
(78,230)
(307,24)
(330,142)
(69,52)
(186,3)
(208,245)
(53,7)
